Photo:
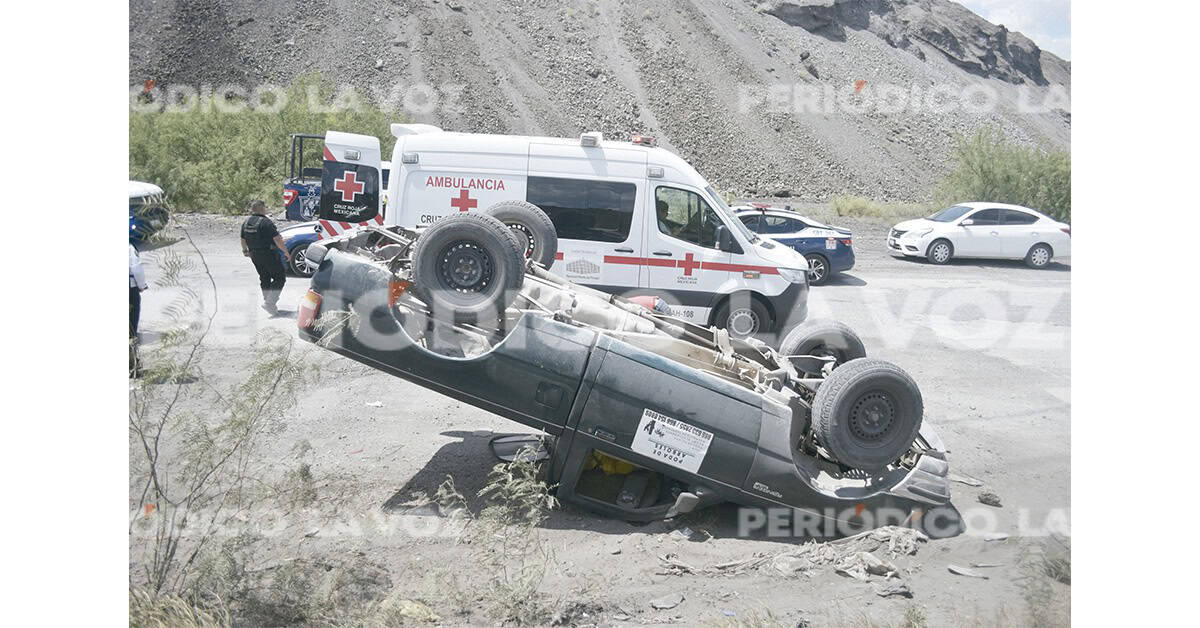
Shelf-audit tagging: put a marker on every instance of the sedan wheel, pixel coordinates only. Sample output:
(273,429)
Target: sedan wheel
(940,252)
(818,269)
(298,264)
(1039,256)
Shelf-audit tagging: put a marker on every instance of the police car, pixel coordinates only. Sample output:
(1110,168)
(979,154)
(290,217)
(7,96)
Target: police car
(148,211)
(829,250)
(630,218)
(296,239)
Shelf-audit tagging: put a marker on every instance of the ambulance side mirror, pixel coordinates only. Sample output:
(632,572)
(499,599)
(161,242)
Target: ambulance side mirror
(725,240)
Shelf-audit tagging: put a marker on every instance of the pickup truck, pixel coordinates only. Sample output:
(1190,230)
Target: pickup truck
(695,417)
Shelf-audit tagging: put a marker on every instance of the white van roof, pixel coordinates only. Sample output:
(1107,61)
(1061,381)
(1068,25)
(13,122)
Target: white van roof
(419,137)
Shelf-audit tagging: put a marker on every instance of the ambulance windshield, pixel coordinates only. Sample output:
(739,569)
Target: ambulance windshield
(727,216)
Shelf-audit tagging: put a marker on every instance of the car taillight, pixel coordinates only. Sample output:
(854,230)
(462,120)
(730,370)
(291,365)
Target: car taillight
(310,306)
(1066,230)
(846,241)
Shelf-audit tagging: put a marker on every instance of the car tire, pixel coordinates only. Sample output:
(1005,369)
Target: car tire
(821,337)
(940,252)
(867,413)
(297,264)
(1039,256)
(533,229)
(468,268)
(745,318)
(818,272)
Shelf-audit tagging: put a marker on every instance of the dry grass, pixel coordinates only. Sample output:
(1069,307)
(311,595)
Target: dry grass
(147,610)
(861,207)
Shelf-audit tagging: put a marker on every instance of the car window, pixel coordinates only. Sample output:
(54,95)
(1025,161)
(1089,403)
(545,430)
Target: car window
(986,217)
(950,214)
(752,222)
(1014,217)
(779,224)
(685,215)
(599,211)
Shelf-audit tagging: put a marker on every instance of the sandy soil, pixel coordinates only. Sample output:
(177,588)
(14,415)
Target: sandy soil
(989,343)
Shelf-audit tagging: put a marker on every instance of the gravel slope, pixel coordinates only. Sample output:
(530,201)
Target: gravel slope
(694,73)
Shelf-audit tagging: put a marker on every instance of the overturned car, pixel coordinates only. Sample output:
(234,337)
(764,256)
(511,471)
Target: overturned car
(646,416)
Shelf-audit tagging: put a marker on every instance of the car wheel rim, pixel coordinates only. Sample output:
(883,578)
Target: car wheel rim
(742,322)
(525,237)
(298,263)
(872,416)
(465,267)
(941,253)
(816,270)
(1041,256)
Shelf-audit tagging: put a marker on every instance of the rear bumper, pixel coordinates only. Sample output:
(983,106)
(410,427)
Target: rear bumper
(842,262)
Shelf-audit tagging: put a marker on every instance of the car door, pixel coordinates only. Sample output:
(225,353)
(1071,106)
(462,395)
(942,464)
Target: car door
(1019,231)
(684,265)
(978,235)
(786,230)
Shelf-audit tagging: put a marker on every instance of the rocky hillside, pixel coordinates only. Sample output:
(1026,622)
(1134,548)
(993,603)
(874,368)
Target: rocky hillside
(803,98)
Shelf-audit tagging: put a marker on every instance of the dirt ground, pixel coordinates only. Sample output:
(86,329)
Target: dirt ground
(988,342)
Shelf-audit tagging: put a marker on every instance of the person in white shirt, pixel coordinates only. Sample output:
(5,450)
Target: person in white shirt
(137,283)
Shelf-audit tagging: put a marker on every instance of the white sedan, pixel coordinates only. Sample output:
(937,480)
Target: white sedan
(983,230)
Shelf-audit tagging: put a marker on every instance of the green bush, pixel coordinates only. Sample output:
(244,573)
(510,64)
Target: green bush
(862,207)
(989,168)
(207,159)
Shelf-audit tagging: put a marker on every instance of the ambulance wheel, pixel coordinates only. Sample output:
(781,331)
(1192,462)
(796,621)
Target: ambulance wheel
(533,228)
(867,413)
(744,319)
(818,269)
(825,338)
(468,268)
(297,263)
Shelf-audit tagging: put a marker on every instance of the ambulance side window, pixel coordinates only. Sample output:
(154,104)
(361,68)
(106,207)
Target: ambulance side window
(686,215)
(600,211)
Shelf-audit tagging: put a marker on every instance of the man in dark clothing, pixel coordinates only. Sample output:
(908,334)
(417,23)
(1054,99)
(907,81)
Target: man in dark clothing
(260,239)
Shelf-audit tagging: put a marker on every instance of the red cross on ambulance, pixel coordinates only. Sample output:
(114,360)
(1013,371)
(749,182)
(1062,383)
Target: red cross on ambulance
(349,186)
(464,201)
(688,264)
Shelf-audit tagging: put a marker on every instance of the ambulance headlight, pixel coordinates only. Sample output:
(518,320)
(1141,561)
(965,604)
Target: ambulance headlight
(794,275)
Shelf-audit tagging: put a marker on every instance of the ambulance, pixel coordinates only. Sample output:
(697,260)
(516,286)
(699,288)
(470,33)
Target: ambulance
(631,218)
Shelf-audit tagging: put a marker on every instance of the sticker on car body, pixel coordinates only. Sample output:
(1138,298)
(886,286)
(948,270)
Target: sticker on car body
(671,441)
(831,244)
